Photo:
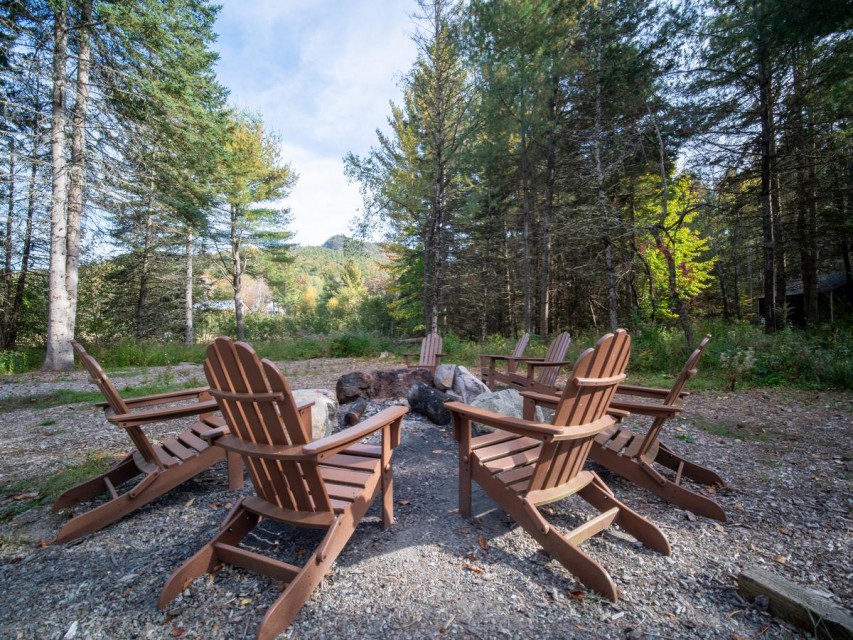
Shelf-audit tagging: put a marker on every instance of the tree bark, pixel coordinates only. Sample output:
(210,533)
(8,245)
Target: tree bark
(77,170)
(237,268)
(59,355)
(767,227)
(144,273)
(527,217)
(189,337)
(547,217)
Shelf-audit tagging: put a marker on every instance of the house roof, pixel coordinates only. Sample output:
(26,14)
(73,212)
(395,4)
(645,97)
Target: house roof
(826,282)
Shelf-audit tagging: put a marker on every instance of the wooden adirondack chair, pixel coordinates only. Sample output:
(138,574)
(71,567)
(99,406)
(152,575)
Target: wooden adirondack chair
(430,356)
(162,466)
(327,484)
(633,455)
(489,371)
(542,372)
(526,464)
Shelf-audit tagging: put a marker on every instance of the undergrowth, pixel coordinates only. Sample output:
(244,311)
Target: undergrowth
(740,355)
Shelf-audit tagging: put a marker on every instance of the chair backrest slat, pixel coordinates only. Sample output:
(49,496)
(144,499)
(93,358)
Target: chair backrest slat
(272,419)
(115,402)
(556,352)
(687,372)
(583,401)
(521,346)
(430,347)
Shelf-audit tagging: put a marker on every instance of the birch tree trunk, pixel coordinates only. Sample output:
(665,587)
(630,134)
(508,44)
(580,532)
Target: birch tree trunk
(144,271)
(59,355)
(237,268)
(77,171)
(189,337)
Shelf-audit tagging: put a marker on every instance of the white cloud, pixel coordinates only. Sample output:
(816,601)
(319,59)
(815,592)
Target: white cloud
(321,74)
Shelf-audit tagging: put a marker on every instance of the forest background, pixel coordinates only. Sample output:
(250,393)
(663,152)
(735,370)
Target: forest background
(675,168)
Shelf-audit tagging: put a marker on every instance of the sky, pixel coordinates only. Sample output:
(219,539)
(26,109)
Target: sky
(321,74)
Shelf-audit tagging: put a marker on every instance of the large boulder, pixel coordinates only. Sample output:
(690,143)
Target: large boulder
(466,386)
(396,383)
(358,384)
(507,403)
(443,378)
(429,401)
(324,413)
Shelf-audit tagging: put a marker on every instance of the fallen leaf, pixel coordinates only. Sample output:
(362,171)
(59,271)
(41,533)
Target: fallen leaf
(472,557)
(29,495)
(782,529)
(739,506)
(215,505)
(577,594)
(473,568)
(190,502)
(301,552)
(177,632)
(228,505)
(245,601)
(404,502)
(719,528)
(549,511)
(780,559)
(482,540)
(43,543)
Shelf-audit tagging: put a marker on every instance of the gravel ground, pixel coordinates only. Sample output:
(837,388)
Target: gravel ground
(786,457)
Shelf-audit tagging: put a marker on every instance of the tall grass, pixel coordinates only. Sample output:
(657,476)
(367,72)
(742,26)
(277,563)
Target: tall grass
(739,355)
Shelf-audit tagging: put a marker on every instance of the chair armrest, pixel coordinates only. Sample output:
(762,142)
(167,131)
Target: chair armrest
(163,398)
(547,400)
(621,414)
(648,392)
(653,410)
(126,420)
(513,425)
(212,433)
(341,440)
(265,451)
(551,363)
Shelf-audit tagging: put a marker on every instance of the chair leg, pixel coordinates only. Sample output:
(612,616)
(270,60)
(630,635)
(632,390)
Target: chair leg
(241,522)
(281,613)
(235,471)
(463,427)
(109,512)
(668,458)
(599,496)
(527,515)
(387,472)
(648,478)
(92,488)
(588,572)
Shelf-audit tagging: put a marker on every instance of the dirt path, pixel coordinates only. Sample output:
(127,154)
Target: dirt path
(785,455)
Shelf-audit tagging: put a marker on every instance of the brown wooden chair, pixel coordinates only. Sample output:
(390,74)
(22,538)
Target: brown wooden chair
(162,466)
(489,371)
(526,464)
(541,374)
(326,484)
(430,356)
(633,455)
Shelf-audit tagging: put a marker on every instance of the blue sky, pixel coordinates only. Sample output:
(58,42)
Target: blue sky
(321,73)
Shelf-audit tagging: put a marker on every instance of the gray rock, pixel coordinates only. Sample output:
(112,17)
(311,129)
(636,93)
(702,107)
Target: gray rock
(429,401)
(324,413)
(507,403)
(397,382)
(443,378)
(350,386)
(467,386)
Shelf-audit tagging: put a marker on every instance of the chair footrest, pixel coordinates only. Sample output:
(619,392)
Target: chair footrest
(255,562)
(591,527)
